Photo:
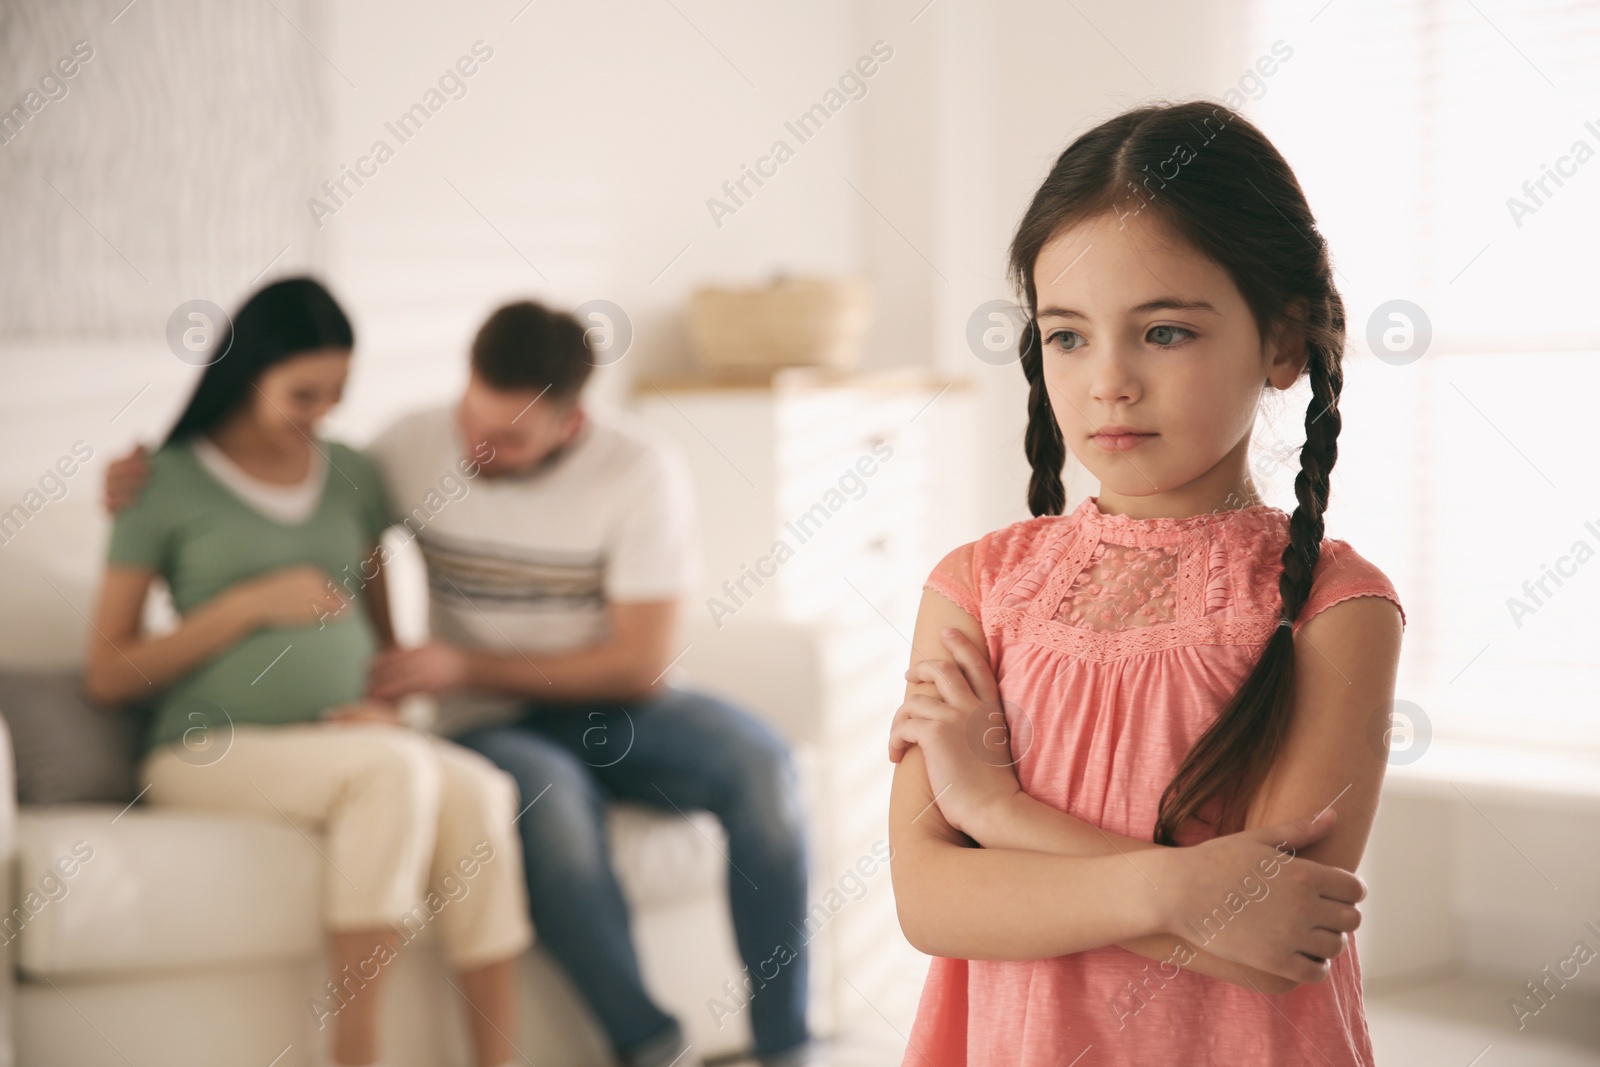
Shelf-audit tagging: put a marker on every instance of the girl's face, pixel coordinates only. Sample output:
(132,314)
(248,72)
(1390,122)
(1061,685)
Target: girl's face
(291,397)
(1143,334)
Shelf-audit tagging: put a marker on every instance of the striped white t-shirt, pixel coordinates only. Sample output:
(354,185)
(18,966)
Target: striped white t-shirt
(530,561)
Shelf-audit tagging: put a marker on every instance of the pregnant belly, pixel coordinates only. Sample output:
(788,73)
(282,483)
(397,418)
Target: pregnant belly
(277,675)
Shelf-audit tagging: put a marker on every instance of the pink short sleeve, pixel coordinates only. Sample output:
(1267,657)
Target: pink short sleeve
(1342,574)
(956,577)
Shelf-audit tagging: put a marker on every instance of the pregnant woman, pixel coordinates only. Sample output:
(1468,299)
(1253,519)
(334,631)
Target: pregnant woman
(259,690)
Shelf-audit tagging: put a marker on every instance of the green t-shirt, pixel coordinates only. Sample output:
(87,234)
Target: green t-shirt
(202,539)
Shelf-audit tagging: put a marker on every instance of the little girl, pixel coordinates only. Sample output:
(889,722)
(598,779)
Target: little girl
(1141,748)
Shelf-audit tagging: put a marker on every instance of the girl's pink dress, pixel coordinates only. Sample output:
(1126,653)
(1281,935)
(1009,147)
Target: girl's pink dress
(1124,638)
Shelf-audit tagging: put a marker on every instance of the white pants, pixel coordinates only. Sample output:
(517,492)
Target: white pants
(416,829)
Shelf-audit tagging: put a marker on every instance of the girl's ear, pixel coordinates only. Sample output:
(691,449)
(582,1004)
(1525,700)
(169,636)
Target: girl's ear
(1286,350)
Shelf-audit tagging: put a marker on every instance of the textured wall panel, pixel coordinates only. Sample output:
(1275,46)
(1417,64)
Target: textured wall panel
(175,165)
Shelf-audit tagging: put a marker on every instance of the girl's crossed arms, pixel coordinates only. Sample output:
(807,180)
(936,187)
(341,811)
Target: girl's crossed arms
(1043,883)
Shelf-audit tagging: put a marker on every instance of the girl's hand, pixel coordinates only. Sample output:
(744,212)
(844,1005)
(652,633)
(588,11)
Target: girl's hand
(377,711)
(1248,897)
(963,734)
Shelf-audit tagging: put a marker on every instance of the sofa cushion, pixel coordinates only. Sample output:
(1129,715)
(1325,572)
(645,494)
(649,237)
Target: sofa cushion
(662,857)
(154,888)
(100,889)
(67,750)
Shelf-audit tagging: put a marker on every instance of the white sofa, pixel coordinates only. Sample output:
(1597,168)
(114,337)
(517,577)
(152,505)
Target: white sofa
(192,939)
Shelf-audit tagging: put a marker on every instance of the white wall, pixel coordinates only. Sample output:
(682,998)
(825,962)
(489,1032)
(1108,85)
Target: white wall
(576,166)
(590,142)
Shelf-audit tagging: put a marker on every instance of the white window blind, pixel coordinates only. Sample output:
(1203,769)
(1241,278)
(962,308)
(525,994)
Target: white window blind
(1468,475)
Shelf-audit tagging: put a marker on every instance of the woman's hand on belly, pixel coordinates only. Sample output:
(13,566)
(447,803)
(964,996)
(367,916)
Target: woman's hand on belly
(361,711)
(296,595)
(963,734)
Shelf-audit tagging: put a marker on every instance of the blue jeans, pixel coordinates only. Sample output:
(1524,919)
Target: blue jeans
(682,751)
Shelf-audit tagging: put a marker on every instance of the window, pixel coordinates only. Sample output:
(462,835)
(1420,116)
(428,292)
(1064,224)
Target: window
(1451,151)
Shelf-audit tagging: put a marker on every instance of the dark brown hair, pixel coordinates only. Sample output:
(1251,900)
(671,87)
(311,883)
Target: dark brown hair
(1219,184)
(526,345)
(283,320)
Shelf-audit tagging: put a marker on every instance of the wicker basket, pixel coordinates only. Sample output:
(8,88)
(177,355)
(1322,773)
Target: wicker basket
(793,322)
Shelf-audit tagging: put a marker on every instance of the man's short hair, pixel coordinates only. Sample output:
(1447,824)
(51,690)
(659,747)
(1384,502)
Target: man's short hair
(526,345)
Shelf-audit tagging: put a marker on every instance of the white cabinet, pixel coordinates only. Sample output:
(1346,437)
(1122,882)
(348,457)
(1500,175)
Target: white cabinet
(821,493)
(824,500)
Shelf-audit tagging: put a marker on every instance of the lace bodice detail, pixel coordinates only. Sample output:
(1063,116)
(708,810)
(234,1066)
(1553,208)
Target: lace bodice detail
(1101,586)
(1122,586)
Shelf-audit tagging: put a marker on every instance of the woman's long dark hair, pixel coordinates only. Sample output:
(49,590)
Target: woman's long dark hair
(284,319)
(1233,198)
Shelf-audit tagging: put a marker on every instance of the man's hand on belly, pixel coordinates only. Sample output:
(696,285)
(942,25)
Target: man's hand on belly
(435,667)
